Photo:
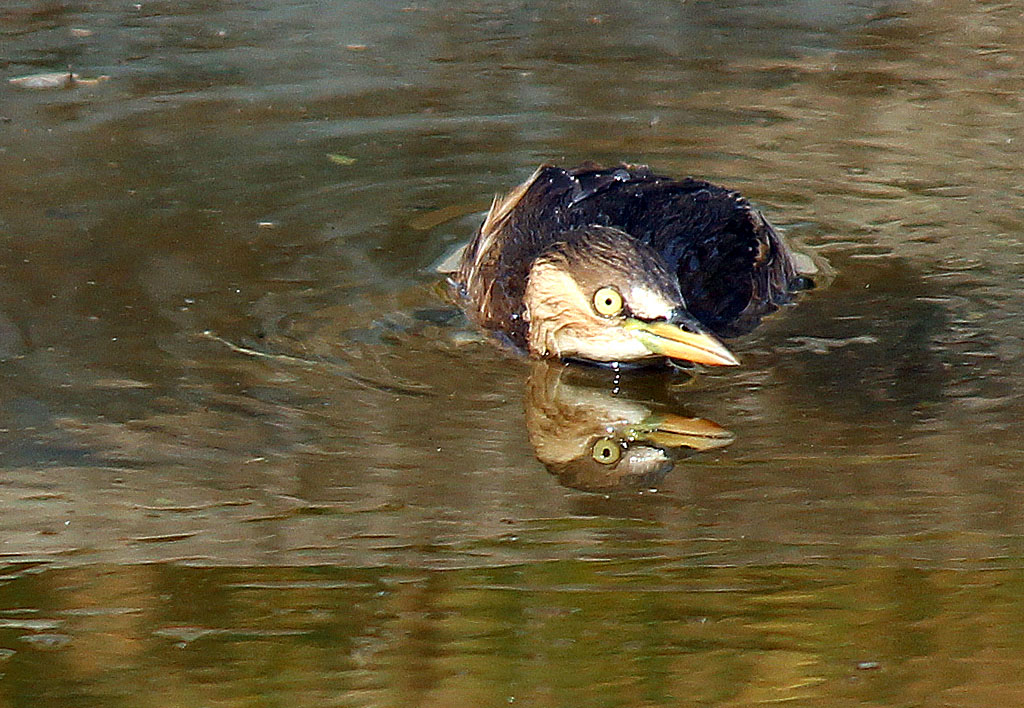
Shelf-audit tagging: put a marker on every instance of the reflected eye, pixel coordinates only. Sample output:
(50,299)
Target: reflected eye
(607,301)
(606,451)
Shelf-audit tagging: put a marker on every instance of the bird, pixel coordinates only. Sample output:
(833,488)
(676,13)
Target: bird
(593,439)
(623,266)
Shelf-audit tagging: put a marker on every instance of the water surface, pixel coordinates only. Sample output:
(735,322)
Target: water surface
(249,454)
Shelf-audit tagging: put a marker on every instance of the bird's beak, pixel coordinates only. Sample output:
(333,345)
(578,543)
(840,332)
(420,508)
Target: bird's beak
(673,431)
(681,338)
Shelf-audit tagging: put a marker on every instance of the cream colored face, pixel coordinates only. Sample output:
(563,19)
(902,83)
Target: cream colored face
(567,321)
(588,315)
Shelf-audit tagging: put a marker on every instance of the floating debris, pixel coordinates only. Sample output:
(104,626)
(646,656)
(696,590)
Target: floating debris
(80,32)
(338,159)
(54,80)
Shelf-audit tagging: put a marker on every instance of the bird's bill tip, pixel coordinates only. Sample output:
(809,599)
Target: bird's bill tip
(667,339)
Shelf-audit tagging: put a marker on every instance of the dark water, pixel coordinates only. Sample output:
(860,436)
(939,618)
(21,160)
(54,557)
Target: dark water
(249,457)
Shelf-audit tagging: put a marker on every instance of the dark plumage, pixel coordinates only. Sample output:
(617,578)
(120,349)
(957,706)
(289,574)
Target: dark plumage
(700,253)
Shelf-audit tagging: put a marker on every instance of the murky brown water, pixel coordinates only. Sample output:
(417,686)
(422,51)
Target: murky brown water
(249,456)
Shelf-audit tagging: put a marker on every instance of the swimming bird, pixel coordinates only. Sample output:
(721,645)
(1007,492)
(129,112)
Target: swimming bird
(619,265)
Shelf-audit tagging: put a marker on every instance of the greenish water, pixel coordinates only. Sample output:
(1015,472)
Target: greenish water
(249,456)
(626,631)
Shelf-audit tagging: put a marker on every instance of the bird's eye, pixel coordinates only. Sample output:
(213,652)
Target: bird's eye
(606,451)
(607,301)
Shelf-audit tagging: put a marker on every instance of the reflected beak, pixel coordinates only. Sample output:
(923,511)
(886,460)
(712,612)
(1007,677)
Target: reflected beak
(673,431)
(681,338)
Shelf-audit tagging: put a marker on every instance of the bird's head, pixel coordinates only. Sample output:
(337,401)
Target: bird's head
(598,294)
(595,439)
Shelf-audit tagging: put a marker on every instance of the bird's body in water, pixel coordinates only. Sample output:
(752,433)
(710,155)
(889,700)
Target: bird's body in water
(623,265)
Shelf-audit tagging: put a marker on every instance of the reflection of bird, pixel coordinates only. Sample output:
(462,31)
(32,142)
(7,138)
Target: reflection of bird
(594,440)
(617,265)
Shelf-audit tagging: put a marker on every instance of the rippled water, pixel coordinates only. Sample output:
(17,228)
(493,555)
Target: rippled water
(249,453)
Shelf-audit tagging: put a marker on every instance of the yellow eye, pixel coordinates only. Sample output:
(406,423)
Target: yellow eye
(606,451)
(607,301)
